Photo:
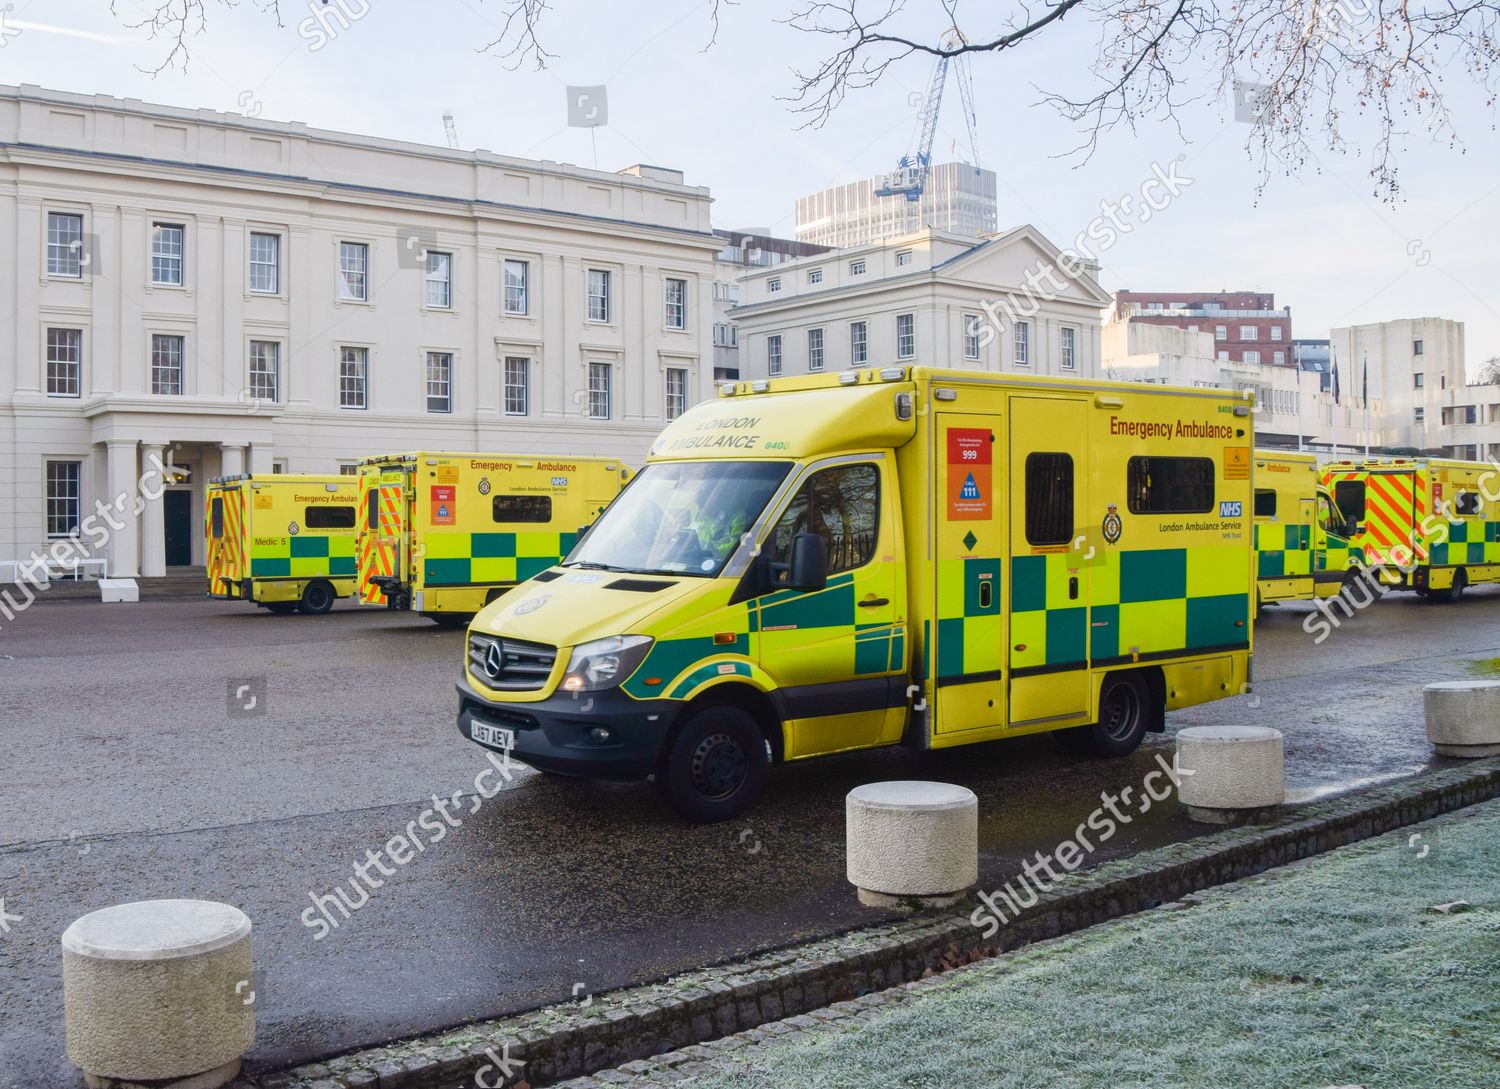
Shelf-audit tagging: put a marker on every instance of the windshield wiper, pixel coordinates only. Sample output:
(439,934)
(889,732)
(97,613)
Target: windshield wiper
(591,565)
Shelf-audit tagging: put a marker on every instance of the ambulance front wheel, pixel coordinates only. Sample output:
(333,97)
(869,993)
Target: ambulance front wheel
(715,766)
(317,599)
(1124,714)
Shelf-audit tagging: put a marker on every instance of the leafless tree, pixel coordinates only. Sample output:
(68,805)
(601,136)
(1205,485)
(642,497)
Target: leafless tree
(1489,372)
(175,21)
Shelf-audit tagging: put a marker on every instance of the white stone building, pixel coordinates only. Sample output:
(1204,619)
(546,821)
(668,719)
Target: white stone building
(232,294)
(957,199)
(744,251)
(1004,303)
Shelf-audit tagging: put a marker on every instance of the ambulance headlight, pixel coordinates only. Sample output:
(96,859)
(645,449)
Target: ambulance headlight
(604,663)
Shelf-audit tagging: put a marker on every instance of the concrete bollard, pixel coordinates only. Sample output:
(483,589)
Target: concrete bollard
(118,590)
(912,841)
(158,991)
(1463,717)
(1230,773)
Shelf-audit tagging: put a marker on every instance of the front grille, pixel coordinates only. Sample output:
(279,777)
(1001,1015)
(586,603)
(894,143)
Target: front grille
(523,667)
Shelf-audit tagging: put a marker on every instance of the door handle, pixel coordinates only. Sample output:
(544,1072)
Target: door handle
(874,602)
(1073,588)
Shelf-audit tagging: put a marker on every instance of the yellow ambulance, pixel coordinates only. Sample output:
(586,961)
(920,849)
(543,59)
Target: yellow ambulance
(1431,525)
(907,555)
(282,540)
(444,533)
(1301,550)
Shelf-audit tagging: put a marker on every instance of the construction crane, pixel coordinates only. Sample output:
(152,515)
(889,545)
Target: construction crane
(909,179)
(451,129)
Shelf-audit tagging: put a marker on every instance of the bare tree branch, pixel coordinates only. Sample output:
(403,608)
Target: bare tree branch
(175,21)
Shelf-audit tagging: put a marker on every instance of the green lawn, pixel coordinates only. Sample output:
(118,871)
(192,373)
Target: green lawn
(1332,972)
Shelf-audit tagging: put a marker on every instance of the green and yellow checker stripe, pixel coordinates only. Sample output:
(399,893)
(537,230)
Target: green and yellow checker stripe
(1283,551)
(477,559)
(305,555)
(970,627)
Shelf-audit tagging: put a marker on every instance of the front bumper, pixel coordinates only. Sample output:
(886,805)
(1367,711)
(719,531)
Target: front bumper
(554,734)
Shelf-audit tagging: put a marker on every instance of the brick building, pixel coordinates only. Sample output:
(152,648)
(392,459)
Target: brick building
(1246,326)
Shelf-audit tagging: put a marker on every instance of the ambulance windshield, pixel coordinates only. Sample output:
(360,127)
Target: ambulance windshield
(680,518)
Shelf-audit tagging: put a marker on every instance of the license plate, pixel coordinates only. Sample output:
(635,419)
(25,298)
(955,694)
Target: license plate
(486,734)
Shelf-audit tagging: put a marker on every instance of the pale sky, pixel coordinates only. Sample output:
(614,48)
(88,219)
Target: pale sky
(1323,242)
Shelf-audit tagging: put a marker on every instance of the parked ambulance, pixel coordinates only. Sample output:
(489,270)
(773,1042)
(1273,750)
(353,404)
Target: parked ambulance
(1428,524)
(444,533)
(903,556)
(284,541)
(1301,548)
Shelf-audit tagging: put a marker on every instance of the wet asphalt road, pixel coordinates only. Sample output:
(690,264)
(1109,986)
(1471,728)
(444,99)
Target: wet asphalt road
(131,773)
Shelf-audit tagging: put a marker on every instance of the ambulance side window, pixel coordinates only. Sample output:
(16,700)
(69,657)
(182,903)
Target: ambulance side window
(1265,503)
(1049,499)
(1329,521)
(216,510)
(522,508)
(841,505)
(1350,497)
(1157,485)
(1466,502)
(328,517)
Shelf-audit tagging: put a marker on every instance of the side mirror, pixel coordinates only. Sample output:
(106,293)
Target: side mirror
(1351,528)
(584,529)
(808,568)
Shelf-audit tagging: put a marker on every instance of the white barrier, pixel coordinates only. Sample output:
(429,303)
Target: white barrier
(910,841)
(1230,773)
(1463,717)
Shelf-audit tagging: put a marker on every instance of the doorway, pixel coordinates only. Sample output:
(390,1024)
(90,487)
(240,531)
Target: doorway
(177,511)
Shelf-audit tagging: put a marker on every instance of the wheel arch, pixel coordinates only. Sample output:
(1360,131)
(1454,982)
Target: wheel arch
(744,697)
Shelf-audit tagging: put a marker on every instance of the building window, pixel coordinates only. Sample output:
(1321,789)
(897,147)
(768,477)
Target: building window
(439,381)
(166,365)
(1221,332)
(1275,332)
(1069,348)
(64,491)
(773,355)
(598,295)
(354,271)
(517,277)
(815,276)
(773,284)
(517,385)
(1416,380)
(903,258)
(1251,356)
(815,349)
(971,336)
(1418,414)
(166,253)
(599,391)
(65,245)
(1049,499)
(1279,358)
(1223,357)
(1416,347)
(1192,328)
(354,377)
(1249,332)
(348,468)
(265,263)
(857,268)
(64,362)
(265,370)
(1157,485)
(439,280)
(1023,343)
(859,342)
(676,392)
(906,336)
(676,300)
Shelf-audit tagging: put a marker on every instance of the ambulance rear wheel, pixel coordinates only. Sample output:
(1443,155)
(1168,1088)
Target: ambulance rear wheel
(1124,713)
(282,608)
(715,766)
(317,599)
(1456,591)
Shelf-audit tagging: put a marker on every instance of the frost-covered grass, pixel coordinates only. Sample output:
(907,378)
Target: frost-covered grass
(1332,972)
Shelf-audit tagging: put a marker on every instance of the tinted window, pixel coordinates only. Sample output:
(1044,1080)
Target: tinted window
(1350,497)
(523,508)
(1049,499)
(216,514)
(1466,502)
(1265,503)
(372,509)
(1170,485)
(840,505)
(328,517)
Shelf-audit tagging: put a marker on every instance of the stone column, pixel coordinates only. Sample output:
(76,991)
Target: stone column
(124,493)
(260,457)
(231,459)
(153,525)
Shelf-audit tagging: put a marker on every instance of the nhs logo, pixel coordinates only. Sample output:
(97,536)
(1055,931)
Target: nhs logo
(1230,508)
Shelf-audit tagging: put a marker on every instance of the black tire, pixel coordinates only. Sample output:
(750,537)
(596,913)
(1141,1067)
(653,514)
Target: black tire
(1456,591)
(716,766)
(450,620)
(1124,714)
(317,598)
(282,608)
